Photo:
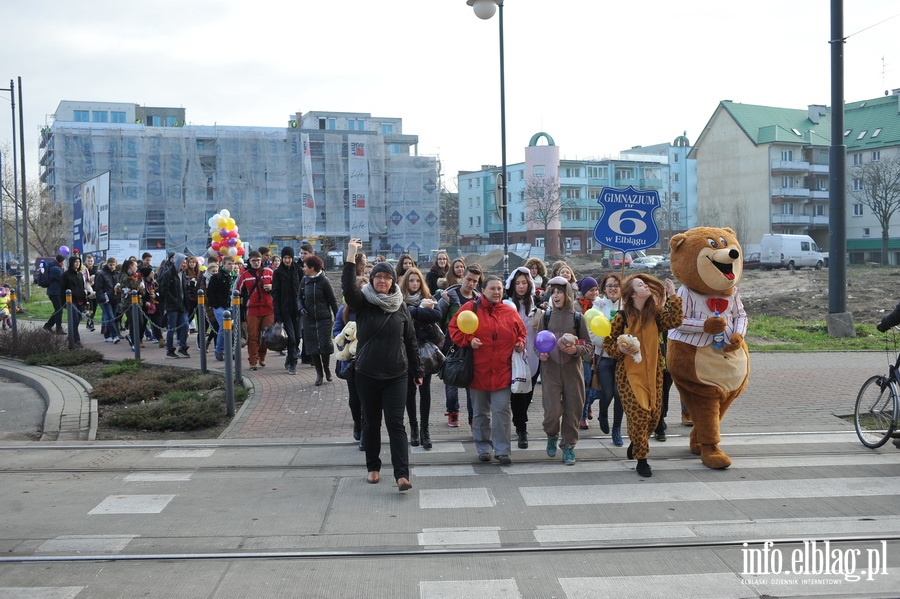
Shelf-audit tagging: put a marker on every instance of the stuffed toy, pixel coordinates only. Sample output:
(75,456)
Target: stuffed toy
(626,341)
(707,356)
(345,343)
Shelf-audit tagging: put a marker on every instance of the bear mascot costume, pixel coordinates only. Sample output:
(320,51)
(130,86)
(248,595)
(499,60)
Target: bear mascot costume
(707,356)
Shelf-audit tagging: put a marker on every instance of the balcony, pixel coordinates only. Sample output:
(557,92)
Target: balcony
(818,169)
(818,194)
(790,166)
(790,192)
(804,220)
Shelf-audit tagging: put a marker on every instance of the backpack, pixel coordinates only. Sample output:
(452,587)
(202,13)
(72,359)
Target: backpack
(576,314)
(43,276)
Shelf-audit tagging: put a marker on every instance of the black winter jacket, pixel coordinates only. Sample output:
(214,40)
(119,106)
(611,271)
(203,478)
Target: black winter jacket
(394,351)
(286,292)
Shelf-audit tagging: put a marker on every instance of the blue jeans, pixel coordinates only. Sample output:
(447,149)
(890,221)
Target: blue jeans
(220,337)
(108,312)
(177,324)
(609,393)
(452,395)
(590,395)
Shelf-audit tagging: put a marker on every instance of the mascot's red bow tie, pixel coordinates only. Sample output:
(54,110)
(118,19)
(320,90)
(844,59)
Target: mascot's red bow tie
(717,304)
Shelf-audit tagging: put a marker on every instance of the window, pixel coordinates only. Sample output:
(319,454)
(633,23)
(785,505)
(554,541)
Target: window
(82,116)
(675,158)
(597,172)
(857,184)
(857,209)
(470,184)
(847,132)
(471,221)
(155,121)
(651,173)
(100,116)
(477,221)
(876,133)
(394,149)
(787,155)
(787,208)
(351,124)
(804,246)
(539,242)
(573,193)
(576,214)
(477,182)
(624,173)
(322,123)
(360,124)
(470,203)
(171,121)
(521,217)
(117,116)
(387,128)
(332,124)
(862,134)
(538,170)
(521,175)
(865,231)
(787,182)
(675,178)
(820,210)
(573,172)
(593,215)
(876,155)
(857,159)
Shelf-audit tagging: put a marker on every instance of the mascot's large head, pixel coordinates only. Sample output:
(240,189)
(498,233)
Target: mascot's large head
(706,259)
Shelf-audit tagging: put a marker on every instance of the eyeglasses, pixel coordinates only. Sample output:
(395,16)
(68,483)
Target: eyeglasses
(611,287)
(383,277)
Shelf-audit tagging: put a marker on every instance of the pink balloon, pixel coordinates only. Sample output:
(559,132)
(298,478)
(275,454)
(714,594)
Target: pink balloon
(545,342)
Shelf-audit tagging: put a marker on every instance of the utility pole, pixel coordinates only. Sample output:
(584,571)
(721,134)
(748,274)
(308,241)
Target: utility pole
(27,295)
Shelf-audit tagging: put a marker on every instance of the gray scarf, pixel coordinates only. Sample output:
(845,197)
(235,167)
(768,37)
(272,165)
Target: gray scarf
(389,302)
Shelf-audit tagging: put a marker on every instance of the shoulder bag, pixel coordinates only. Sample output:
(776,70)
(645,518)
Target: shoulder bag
(458,366)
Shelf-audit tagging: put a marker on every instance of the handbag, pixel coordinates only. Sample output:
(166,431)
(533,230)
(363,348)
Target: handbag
(436,334)
(430,356)
(521,373)
(595,377)
(275,337)
(458,367)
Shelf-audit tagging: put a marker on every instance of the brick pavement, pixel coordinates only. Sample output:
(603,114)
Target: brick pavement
(788,391)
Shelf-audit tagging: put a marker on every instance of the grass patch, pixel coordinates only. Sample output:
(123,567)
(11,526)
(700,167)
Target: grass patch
(152,383)
(65,358)
(126,366)
(177,410)
(774,333)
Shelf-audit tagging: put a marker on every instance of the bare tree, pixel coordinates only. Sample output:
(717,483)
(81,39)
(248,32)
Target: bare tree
(880,183)
(544,203)
(49,223)
(736,216)
(667,217)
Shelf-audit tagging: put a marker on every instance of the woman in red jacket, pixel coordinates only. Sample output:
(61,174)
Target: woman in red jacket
(500,331)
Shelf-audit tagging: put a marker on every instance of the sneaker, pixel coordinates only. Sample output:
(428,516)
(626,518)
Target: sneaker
(184,352)
(115,339)
(453,419)
(484,457)
(551,445)
(254,367)
(171,354)
(262,364)
(154,340)
(583,425)
(504,460)
(108,340)
(292,369)
(220,357)
(661,436)
(569,456)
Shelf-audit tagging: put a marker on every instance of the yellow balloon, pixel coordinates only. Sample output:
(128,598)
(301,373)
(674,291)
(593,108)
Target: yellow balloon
(600,325)
(239,244)
(230,224)
(217,236)
(590,314)
(467,322)
(222,222)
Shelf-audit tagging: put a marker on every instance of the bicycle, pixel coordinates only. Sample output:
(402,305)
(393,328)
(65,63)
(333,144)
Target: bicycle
(877,409)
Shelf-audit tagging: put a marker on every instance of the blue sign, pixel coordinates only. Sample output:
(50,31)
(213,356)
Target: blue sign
(627,222)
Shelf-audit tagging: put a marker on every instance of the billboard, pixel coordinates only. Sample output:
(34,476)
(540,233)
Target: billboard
(91,211)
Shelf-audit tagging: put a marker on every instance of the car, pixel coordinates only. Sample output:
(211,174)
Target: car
(615,260)
(751,261)
(663,262)
(644,262)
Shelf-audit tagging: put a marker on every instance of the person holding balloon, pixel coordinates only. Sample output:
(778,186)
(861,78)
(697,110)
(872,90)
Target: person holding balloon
(493,331)
(563,343)
(607,304)
(522,297)
(649,308)
(255,283)
(454,296)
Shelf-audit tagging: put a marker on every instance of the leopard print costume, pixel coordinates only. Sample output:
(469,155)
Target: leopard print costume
(641,421)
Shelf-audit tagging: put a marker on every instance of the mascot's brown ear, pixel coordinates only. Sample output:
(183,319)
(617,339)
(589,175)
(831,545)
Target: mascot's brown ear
(677,240)
(729,230)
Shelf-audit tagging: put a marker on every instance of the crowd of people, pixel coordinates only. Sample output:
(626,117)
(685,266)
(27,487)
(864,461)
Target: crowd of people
(397,321)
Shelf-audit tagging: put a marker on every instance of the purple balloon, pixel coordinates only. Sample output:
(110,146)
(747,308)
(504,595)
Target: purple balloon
(64,250)
(545,342)
(231,242)
(223,232)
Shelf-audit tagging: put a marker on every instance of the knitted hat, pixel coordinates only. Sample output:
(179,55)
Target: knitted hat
(586,284)
(287,251)
(383,267)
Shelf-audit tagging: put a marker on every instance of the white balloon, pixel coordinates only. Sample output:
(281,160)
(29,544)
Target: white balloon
(224,213)
(232,252)
(212,222)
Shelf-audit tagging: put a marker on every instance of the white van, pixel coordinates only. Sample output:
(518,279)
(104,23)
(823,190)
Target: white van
(790,251)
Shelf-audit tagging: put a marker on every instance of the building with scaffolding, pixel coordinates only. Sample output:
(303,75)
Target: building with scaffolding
(324,177)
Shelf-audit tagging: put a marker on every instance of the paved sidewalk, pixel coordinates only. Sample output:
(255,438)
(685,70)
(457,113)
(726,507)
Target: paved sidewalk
(788,392)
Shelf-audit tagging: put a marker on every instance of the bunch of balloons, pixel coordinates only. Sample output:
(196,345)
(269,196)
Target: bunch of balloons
(597,322)
(225,239)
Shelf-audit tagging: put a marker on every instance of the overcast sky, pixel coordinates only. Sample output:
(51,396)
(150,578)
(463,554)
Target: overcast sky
(598,76)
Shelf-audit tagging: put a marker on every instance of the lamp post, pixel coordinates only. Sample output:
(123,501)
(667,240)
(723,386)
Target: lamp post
(485,9)
(12,101)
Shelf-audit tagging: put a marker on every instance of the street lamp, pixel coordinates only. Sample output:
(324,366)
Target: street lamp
(485,9)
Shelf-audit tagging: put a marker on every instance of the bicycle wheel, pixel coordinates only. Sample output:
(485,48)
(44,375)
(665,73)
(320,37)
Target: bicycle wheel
(876,410)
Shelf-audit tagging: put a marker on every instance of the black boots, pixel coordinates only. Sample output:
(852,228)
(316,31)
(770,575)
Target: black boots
(319,374)
(414,435)
(643,468)
(523,439)
(326,366)
(426,437)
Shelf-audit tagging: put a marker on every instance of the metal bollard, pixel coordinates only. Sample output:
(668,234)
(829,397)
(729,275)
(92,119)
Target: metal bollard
(201,328)
(70,319)
(13,307)
(135,321)
(229,365)
(236,343)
